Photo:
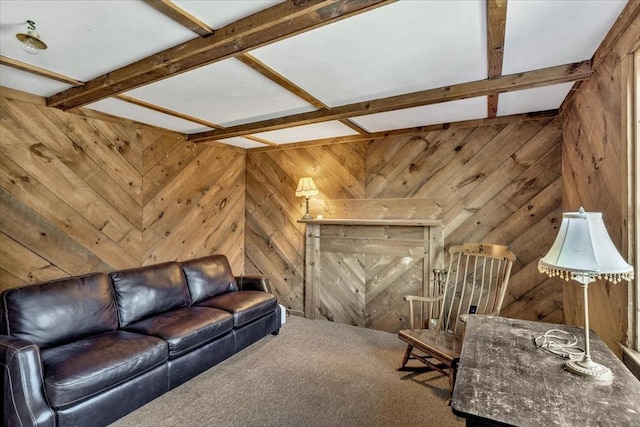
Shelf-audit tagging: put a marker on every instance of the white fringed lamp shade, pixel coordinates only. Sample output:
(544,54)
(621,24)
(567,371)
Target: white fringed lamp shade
(583,251)
(306,188)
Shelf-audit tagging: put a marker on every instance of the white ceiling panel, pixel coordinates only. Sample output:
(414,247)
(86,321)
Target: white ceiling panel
(226,93)
(398,48)
(532,100)
(241,142)
(447,112)
(31,83)
(88,38)
(544,33)
(219,13)
(307,132)
(130,111)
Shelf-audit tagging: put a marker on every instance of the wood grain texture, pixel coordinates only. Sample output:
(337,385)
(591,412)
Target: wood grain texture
(358,272)
(500,183)
(256,30)
(81,194)
(195,205)
(274,239)
(530,79)
(595,176)
(52,158)
(405,209)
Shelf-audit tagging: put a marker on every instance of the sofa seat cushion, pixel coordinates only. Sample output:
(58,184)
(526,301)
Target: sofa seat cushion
(186,328)
(245,306)
(76,371)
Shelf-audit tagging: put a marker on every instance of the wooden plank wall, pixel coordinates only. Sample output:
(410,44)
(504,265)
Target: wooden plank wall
(498,183)
(81,194)
(596,175)
(359,273)
(274,240)
(193,201)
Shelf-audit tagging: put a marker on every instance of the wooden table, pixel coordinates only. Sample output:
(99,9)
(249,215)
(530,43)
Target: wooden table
(504,379)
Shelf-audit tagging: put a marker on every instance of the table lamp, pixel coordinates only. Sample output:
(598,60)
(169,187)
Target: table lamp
(306,188)
(584,252)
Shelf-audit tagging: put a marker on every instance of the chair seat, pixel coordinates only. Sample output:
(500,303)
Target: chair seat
(474,283)
(442,344)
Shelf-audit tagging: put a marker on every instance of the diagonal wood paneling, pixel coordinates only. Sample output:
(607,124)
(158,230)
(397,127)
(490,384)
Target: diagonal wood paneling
(391,278)
(195,203)
(274,238)
(492,183)
(598,139)
(342,297)
(35,143)
(359,273)
(80,194)
(20,265)
(499,183)
(117,195)
(70,194)
(46,204)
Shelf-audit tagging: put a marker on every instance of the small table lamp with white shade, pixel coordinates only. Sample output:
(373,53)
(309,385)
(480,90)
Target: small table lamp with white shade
(584,252)
(306,188)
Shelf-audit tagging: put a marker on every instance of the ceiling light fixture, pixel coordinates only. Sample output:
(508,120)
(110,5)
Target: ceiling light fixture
(31,42)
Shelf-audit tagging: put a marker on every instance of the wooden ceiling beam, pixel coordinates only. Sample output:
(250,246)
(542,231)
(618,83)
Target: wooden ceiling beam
(519,81)
(181,16)
(19,65)
(496,24)
(279,79)
(262,141)
(516,118)
(353,125)
(290,86)
(267,26)
(492,105)
(163,110)
(159,109)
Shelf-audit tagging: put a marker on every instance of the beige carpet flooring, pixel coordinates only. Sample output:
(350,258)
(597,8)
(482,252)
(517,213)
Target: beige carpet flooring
(315,373)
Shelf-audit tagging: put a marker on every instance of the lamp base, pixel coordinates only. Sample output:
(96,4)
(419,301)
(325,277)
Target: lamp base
(589,368)
(307,216)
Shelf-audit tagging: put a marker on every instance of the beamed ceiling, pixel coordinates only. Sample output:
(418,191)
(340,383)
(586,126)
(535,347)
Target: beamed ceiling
(264,73)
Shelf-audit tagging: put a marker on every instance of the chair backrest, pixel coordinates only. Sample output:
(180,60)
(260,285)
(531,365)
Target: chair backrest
(476,282)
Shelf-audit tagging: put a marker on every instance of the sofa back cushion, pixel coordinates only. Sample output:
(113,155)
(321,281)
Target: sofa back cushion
(144,291)
(60,311)
(209,276)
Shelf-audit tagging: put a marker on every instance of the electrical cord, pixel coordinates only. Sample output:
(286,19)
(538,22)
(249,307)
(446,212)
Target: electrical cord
(560,343)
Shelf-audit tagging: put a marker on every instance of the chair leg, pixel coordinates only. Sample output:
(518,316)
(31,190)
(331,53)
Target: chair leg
(407,354)
(453,372)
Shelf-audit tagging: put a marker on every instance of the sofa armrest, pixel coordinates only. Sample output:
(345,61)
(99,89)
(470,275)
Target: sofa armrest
(253,283)
(24,402)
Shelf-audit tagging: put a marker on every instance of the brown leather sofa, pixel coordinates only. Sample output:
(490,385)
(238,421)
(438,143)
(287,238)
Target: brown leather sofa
(88,350)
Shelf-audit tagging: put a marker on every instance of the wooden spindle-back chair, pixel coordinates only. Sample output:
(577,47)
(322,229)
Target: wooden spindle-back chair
(475,283)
